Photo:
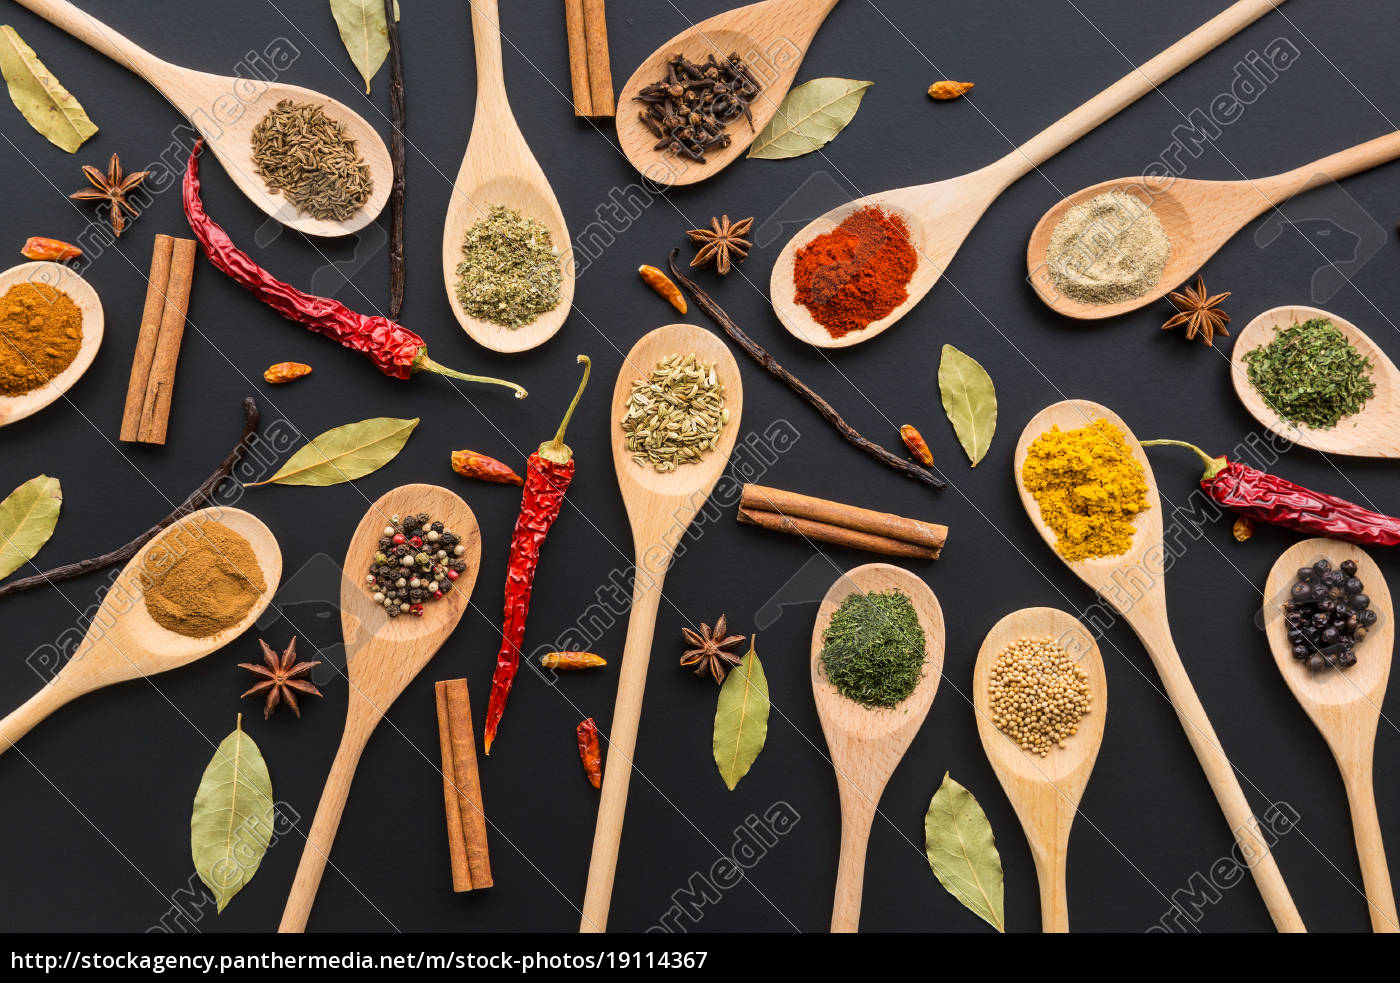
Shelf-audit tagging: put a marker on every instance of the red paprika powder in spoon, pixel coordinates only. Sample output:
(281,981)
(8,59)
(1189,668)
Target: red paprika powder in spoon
(857,273)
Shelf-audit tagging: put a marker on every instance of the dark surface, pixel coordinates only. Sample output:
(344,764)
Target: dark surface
(98,797)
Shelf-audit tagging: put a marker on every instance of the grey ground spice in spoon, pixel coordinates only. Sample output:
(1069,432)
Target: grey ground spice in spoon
(306,155)
(1108,249)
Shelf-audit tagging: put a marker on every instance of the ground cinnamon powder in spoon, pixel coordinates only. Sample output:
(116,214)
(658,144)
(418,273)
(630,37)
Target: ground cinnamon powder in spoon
(857,273)
(201,578)
(41,330)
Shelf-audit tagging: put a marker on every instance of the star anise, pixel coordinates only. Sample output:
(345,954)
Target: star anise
(1199,312)
(721,242)
(281,682)
(111,187)
(709,649)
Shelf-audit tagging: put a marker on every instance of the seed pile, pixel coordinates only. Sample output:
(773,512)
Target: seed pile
(675,415)
(1310,374)
(1038,694)
(416,562)
(509,274)
(1328,613)
(305,154)
(1108,249)
(692,105)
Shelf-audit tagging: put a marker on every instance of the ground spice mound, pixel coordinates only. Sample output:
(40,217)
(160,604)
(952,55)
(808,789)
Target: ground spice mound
(1108,249)
(200,579)
(857,273)
(1088,487)
(41,330)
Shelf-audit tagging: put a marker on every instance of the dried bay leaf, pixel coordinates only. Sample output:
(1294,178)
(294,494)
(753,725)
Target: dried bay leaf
(344,453)
(741,718)
(27,518)
(963,853)
(45,103)
(970,400)
(233,817)
(809,118)
(364,32)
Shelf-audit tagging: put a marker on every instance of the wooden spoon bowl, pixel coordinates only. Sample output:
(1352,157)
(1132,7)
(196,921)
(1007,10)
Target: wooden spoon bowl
(498,169)
(1134,583)
(1372,432)
(124,642)
(660,508)
(1044,791)
(13,408)
(225,109)
(1198,216)
(867,744)
(772,37)
(1345,704)
(383,655)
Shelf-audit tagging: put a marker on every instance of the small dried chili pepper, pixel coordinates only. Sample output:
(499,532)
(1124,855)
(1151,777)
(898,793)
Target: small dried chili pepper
(285,372)
(1263,497)
(917,445)
(548,473)
(662,284)
(395,350)
(948,89)
(1242,530)
(55,250)
(470,464)
(590,753)
(572,660)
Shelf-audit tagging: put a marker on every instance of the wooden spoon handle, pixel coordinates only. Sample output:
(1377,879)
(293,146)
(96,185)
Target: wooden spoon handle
(1051,853)
(1370,847)
(1151,628)
(622,741)
(857,816)
(1133,86)
(23,718)
(95,34)
(323,828)
(490,69)
(1333,167)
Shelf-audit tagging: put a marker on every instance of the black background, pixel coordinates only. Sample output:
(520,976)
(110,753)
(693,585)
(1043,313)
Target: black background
(98,797)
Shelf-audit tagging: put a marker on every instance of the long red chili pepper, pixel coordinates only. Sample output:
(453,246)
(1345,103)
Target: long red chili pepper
(1263,497)
(397,351)
(547,476)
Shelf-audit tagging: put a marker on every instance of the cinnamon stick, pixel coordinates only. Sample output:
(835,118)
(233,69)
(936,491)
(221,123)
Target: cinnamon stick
(578,58)
(146,339)
(600,85)
(757,498)
(461,788)
(825,532)
(173,298)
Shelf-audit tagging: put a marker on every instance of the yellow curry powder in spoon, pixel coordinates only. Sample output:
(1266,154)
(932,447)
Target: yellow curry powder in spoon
(200,579)
(1088,487)
(41,330)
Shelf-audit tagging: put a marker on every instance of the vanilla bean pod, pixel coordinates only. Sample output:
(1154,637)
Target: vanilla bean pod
(198,499)
(396,153)
(763,358)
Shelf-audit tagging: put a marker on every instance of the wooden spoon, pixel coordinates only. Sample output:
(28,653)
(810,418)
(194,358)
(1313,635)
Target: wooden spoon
(499,169)
(940,215)
(1133,583)
(660,508)
(124,642)
(1345,704)
(772,37)
(1372,432)
(1199,217)
(56,275)
(225,109)
(1045,792)
(867,744)
(383,656)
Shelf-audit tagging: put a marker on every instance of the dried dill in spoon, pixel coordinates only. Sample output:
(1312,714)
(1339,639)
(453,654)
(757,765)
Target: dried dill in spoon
(873,649)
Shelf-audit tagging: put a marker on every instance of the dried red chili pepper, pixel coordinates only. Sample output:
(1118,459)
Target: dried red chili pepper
(547,475)
(916,444)
(572,660)
(1263,497)
(590,753)
(470,464)
(397,351)
(54,250)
